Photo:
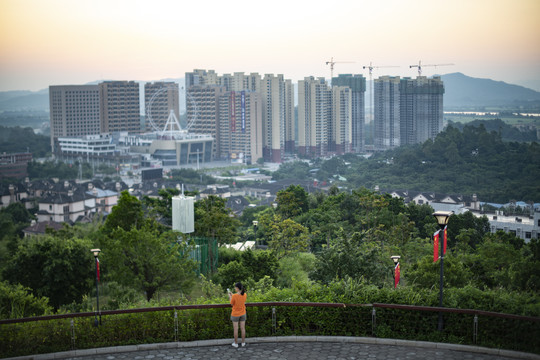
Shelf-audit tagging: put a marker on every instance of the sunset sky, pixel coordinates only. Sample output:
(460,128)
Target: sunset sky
(53,42)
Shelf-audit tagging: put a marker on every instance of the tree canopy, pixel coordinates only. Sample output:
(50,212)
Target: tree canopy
(60,269)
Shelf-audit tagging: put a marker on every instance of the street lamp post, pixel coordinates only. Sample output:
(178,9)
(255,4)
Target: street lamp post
(442,219)
(96,253)
(395,258)
(255,224)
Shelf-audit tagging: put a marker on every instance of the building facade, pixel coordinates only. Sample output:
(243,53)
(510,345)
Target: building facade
(314,116)
(278,121)
(160,98)
(89,147)
(74,111)
(182,148)
(278,116)
(421,109)
(387,112)
(199,77)
(203,108)
(14,165)
(341,130)
(240,126)
(119,106)
(357,84)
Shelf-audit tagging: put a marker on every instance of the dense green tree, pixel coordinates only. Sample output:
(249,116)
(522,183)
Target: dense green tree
(260,263)
(298,170)
(127,213)
(353,256)
(287,236)
(467,220)
(421,215)
(426,274)
(60,269)
(147,259)
(292,201)
(231,273)
(17,301)
(214,220)
(250,267)
(455,162)
(191,176)
(249,214)
(19,139)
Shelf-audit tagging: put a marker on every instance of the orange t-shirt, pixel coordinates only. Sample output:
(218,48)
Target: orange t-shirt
(238,303)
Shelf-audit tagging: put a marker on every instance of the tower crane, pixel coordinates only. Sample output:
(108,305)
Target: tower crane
(332,63)
(420,66)
(370,67)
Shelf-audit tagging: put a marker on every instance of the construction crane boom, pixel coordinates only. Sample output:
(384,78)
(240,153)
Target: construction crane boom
(420,66)
(370,67)
(332,62)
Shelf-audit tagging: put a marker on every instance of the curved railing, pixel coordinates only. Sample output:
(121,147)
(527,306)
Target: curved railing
(64,332)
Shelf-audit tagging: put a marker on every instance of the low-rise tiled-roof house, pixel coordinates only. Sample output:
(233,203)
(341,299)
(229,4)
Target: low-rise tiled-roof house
(66,207)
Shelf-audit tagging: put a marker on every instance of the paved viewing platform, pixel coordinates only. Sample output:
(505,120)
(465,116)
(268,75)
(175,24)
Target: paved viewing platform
(292,347)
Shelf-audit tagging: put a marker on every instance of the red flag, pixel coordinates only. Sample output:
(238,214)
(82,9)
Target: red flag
(445,235)
(396,275)
(97,268)
(436,246)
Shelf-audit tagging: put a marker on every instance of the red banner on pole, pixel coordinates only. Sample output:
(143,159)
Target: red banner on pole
(436,246)
(97,268)
(396,275)
(445,235)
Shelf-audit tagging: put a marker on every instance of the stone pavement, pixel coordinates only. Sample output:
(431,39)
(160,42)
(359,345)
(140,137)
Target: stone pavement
(293,347)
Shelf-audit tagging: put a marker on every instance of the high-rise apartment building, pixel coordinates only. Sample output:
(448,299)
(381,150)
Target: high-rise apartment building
(240,126)
(340,135)
(314,116)
(421,109)
(278,116)
(387,112)
(74,111)
(199,77)
(357,84)
(159,99)
(119,106)
(203,109)
(277,107)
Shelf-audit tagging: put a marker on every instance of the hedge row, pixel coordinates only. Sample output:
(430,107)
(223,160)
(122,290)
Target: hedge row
(37,337)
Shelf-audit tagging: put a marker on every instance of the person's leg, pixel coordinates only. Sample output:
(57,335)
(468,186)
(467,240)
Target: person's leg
(235,329)
(243,330)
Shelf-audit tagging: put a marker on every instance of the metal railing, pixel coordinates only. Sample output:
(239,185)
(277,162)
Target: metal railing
(63,332)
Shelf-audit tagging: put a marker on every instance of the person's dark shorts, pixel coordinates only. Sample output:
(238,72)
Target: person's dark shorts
(238,318)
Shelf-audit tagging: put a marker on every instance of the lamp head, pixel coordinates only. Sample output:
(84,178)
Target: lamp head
(395,258)
(255,223)
(95,252)
(442,217)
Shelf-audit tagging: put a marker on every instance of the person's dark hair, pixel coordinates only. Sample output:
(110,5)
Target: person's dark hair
(241,287)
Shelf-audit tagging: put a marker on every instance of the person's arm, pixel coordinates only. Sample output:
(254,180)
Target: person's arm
(230,298)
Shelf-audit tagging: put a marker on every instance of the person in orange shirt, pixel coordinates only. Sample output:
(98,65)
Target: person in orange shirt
(238,313)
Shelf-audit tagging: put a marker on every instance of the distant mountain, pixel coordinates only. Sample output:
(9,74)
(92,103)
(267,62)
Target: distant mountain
(461,91)
(466,91)
(24,100)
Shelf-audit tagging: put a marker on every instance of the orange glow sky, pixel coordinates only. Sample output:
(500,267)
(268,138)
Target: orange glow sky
(50,42)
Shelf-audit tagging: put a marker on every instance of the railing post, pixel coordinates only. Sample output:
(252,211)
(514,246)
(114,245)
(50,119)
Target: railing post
(72,325)
(274,321)
(475,329)
(175,325)
(373,322)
